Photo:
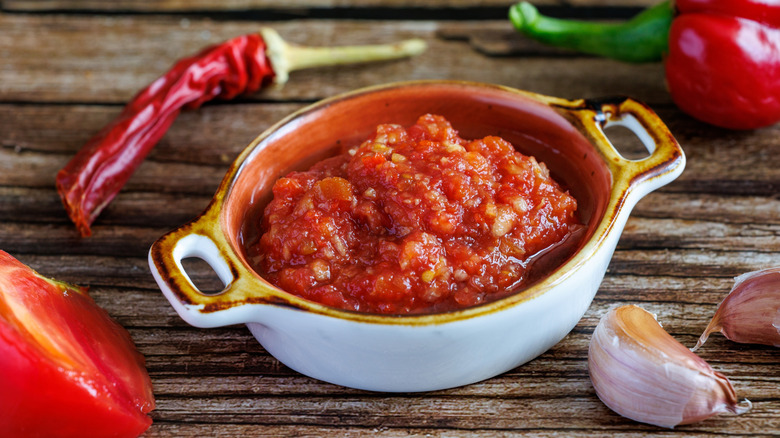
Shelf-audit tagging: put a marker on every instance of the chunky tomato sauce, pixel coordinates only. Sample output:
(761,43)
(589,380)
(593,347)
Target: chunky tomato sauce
(412,220)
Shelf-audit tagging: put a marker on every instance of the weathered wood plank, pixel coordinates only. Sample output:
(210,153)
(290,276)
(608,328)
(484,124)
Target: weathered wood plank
(743,210)
(723,263)
(662,220)
(224,354)
(111,69)
(230,430)
(668,297)
(571,379)
(141,209)
(700,234)
(62,247)
(214,134)
(39,171)
(64,254)
(179,6)
(90,270)
(143,306)
(38,140)
(417,412)
(652,236)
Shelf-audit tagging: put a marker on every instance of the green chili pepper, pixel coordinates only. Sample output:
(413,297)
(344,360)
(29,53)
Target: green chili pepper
(644,38)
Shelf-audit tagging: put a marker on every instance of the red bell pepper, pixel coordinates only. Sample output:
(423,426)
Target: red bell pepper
(724,61)
(722,56)
(68,369)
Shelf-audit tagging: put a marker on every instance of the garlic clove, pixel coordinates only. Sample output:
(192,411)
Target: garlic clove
(750,313)
(641,372)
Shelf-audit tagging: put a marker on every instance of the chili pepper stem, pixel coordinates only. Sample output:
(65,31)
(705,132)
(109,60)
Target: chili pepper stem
(644,38)
(286,57)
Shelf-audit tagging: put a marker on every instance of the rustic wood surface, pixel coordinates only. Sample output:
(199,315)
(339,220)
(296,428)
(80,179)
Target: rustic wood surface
(68,67)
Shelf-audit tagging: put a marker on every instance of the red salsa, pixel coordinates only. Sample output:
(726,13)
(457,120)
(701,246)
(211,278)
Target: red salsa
(413,220)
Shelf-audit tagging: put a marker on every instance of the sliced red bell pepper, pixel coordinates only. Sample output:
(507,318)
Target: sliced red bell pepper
(68,369)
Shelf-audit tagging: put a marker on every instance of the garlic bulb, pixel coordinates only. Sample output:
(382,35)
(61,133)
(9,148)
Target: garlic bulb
(643,373)
(750,313)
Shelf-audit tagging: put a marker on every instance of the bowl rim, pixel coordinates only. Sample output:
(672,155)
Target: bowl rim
(588,116)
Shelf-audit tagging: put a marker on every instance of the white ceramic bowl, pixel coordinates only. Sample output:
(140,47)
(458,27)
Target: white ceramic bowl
(435,351)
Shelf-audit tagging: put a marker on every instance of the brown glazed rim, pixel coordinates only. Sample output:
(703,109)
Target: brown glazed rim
(588,116)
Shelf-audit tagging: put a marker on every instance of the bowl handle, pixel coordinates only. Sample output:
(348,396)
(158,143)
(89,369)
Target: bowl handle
(202,238)
(666,160)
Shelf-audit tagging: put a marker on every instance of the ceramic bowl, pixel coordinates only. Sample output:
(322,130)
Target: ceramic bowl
(431,351)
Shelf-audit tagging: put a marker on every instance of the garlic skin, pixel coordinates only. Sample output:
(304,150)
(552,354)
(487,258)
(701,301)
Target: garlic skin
(642,373)
(750,313)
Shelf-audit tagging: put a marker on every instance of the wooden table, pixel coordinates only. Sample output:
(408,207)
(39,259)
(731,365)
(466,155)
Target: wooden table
(68,67)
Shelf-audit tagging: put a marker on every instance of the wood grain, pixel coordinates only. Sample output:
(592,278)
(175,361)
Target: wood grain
(179,6)
(114,67)
(69,67)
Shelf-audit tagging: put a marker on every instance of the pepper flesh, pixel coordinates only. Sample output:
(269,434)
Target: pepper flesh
(762,11)
(68,369)
(722,60)
(725,70)
(94,176)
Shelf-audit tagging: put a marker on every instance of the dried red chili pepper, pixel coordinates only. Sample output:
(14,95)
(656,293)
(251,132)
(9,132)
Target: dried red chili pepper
(242,65)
